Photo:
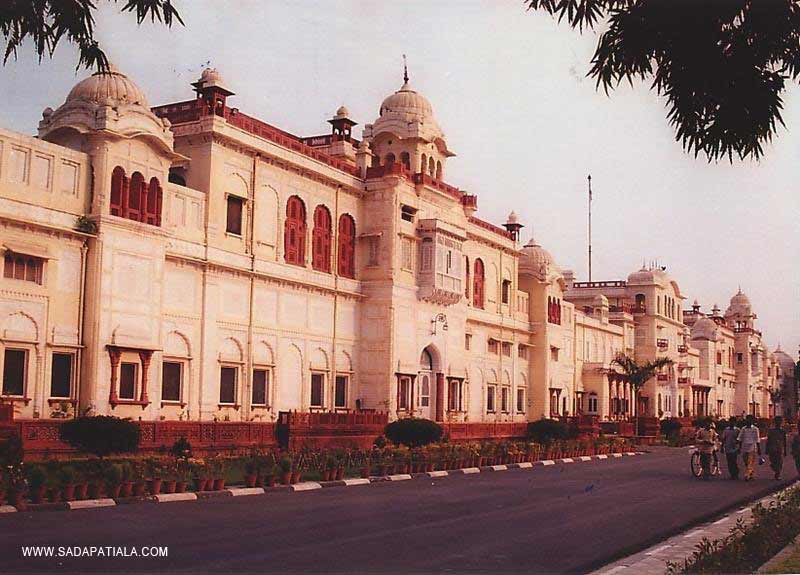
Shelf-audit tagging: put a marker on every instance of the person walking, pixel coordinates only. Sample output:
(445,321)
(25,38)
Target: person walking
(706,439)
(796,449)
(776,446)
(749,445)
(730,445)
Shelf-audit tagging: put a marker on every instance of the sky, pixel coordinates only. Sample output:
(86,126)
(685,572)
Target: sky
(509,89)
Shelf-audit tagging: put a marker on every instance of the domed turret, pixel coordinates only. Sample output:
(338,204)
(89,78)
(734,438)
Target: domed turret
(705,328)
(111,88)
(646,276)
(537,261)
(740,305)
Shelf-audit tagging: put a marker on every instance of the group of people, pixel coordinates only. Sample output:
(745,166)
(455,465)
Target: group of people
(746,440)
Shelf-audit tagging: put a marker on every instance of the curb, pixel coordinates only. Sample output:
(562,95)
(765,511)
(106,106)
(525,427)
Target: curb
(779,558)
(305,486)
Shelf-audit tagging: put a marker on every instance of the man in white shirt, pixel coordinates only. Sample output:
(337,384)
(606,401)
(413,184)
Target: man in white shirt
(749,445)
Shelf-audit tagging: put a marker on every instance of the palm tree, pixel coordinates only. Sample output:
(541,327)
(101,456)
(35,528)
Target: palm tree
(634,373)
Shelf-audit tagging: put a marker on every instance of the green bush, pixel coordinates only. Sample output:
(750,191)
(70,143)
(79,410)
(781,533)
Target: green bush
(670,428)
(181,449)
(413,432)
(101,434)
(548,430)
(11,452)
(36,476)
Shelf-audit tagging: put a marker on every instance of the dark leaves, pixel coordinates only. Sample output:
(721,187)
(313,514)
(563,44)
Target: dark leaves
(46,22)
(720,64)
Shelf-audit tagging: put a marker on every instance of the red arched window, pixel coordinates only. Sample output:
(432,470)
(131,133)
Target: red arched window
(321,240)
(346,256)
(466,283)
(294,232)
(477,285)
(153,207)
(118,184)
(137,192)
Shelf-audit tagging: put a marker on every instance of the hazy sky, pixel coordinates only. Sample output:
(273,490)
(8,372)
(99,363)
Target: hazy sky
(508,88)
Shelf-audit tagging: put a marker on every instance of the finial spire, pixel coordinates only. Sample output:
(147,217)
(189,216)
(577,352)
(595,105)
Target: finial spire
(405,69)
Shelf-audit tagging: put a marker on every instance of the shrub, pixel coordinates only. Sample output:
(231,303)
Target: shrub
(36,476)
(548,430)
(413,432)
(671,427)
(181,449)
(11,452)
(101,434)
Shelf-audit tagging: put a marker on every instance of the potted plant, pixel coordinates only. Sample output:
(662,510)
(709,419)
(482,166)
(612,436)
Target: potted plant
(17,485)
(218,472)
(113,478)
(170,473)
(286,465)
(297,474)
(200,471)
(329,471)
(81,482)
(66,480)
(138,475)
(183,474)
(155,475)
(94,477)
(37,482)
(251,471)
(266,470)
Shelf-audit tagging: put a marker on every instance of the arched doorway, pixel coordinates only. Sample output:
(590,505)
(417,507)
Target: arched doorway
(427,378)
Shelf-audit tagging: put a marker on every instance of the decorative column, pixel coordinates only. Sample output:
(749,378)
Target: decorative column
(115,355)
(145,357)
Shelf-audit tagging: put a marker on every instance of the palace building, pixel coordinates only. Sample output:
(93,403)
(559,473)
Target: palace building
(190,262)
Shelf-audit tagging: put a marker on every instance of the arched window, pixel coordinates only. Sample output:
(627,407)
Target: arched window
(439,170)
(405,159)
(423,165)
(154,199)
(118,190)
(137,191)
(640,301)
(346,256)
(466,283)
(321,240)
(390,159)
(477,285)
(294,232)
(431,167)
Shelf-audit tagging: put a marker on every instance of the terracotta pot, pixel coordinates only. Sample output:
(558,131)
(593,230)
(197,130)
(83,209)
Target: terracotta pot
(269,480)
(296,476)
(180,487)
(219,484)
(81,490)
(68,492)
(326,474)
(340,473)
(286,477)
(126,489)
(154,486)
(169,486)
(114,490)
(96,490)
(200,484)
(250,479)
(54,494)
(139,488)
(17,499)
(365,472)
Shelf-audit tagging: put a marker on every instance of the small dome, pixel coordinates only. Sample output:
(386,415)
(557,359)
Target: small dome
(211,76)
(108,88)
(409,102)
(512,218)
(600,301)
(785,360)
(536,260)
(705,328)
(342,112)
(646,276)
(740,305)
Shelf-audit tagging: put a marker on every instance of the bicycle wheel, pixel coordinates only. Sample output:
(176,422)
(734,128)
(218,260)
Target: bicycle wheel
(694,464)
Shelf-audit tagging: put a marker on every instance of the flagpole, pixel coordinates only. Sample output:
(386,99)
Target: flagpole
(590,227)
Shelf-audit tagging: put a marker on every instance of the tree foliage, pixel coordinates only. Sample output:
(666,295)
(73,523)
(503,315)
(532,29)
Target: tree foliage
(101,434)
(47,22)
(413,431)
(637,374)
(722,65)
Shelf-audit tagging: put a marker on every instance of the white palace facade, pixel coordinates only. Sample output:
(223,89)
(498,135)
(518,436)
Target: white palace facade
(190,262)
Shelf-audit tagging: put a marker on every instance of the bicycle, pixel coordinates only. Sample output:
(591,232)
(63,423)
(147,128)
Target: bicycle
(697,468)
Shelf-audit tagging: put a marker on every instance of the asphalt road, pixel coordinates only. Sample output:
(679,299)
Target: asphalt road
(562,519)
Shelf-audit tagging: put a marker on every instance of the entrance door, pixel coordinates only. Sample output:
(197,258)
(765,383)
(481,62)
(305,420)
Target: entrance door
(424,387)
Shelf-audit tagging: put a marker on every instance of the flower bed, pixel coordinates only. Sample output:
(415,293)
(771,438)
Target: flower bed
(135,476)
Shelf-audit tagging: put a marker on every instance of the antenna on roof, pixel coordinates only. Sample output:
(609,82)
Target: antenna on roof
(405,69)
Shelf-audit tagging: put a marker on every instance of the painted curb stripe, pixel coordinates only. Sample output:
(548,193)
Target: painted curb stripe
(616,455)
(238,491)
(630,453)
(585,458)
(548,462)
(720,521)
(167,497)
(91,503)
(499,467)
(306,486)
(470,470)
(437,473)
(659,549)
(601,456)
(8,509)
(399,477)
(567,460)
(694,533)
(524,465)
(357,481)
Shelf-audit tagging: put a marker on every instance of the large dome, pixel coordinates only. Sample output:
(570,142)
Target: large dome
(740,305)
(110,87)
(408,102)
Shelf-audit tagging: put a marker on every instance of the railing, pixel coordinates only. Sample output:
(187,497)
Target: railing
(475,431)
(623,307)
(425,179)
(491,227)
(611,283)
